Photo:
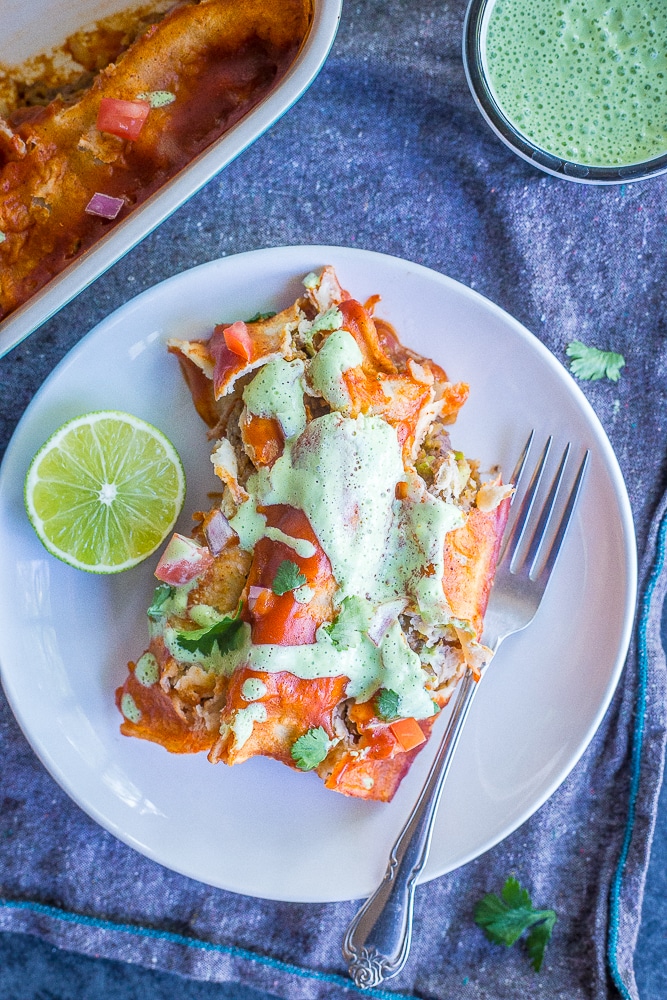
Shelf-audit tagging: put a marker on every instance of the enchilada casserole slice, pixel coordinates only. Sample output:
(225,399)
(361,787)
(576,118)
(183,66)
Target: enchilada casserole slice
(76,159)
(333,596)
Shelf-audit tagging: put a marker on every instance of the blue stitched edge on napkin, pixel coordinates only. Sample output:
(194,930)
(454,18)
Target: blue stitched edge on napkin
(637,743)
(181,939)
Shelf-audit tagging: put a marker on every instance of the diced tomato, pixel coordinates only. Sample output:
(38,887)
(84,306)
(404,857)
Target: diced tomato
(182,560)
(225,361)
(279,618)
(231,349)
(122,118)
(408,732)
(238,339)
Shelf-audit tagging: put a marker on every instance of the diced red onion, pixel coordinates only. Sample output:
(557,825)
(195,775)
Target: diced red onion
(384,616)
(104,205)
(254,593)
(218,532)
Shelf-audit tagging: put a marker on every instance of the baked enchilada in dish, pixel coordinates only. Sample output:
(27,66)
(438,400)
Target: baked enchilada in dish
(80,149)
(332,597)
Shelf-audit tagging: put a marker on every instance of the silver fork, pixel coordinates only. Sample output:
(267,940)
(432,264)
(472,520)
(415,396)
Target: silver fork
(377,942)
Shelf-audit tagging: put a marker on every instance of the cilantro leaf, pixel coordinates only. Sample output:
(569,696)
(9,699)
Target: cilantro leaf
(310,749)
(386,703)
(161,595)
(514,896)
(261,316)
(592,363)
(505,919)
(353,618)
(288,577)
(495,918)
(202,640)
(539,938)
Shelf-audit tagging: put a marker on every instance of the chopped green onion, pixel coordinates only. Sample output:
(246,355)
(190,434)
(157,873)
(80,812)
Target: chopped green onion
(157,98)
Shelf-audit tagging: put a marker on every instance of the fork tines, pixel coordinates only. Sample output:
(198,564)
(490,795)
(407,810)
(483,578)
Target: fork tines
(537,530)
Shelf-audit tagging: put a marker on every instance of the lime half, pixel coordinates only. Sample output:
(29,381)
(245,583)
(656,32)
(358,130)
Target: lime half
(104,491)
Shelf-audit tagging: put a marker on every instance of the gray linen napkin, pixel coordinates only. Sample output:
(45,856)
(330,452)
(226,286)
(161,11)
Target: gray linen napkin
(387,151)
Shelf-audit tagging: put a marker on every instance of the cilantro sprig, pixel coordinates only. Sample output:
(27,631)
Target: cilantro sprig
(590,363)
(223,634)
(506,917)
(161,595)
(311,749)
(288,577)
(386,704)
(351,622)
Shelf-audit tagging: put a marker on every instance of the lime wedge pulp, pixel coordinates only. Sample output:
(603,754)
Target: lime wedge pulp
(104,491)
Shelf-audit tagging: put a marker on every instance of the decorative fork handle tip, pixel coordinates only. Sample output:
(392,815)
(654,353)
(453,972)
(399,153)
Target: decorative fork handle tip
(367,968)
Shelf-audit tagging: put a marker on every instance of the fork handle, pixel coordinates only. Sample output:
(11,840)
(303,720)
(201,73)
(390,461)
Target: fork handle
(377,943)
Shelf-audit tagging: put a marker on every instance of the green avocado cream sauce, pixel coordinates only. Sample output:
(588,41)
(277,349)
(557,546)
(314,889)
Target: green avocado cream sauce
(338,354)
(392,664)
(277,391)
(342,472)
(585,80)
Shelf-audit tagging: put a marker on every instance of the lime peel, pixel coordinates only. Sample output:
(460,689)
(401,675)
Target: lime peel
(104,491)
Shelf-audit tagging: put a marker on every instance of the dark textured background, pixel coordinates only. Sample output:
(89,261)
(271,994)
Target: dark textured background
(386,151)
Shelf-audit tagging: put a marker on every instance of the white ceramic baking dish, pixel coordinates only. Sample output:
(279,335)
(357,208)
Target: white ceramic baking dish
(29,29)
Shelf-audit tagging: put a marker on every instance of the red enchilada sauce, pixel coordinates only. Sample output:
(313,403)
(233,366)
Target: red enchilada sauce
(215,60)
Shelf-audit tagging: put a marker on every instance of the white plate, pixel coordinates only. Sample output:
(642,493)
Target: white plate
(259,828)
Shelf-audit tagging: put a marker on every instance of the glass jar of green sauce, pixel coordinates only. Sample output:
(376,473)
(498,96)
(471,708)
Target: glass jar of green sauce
(578,87)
